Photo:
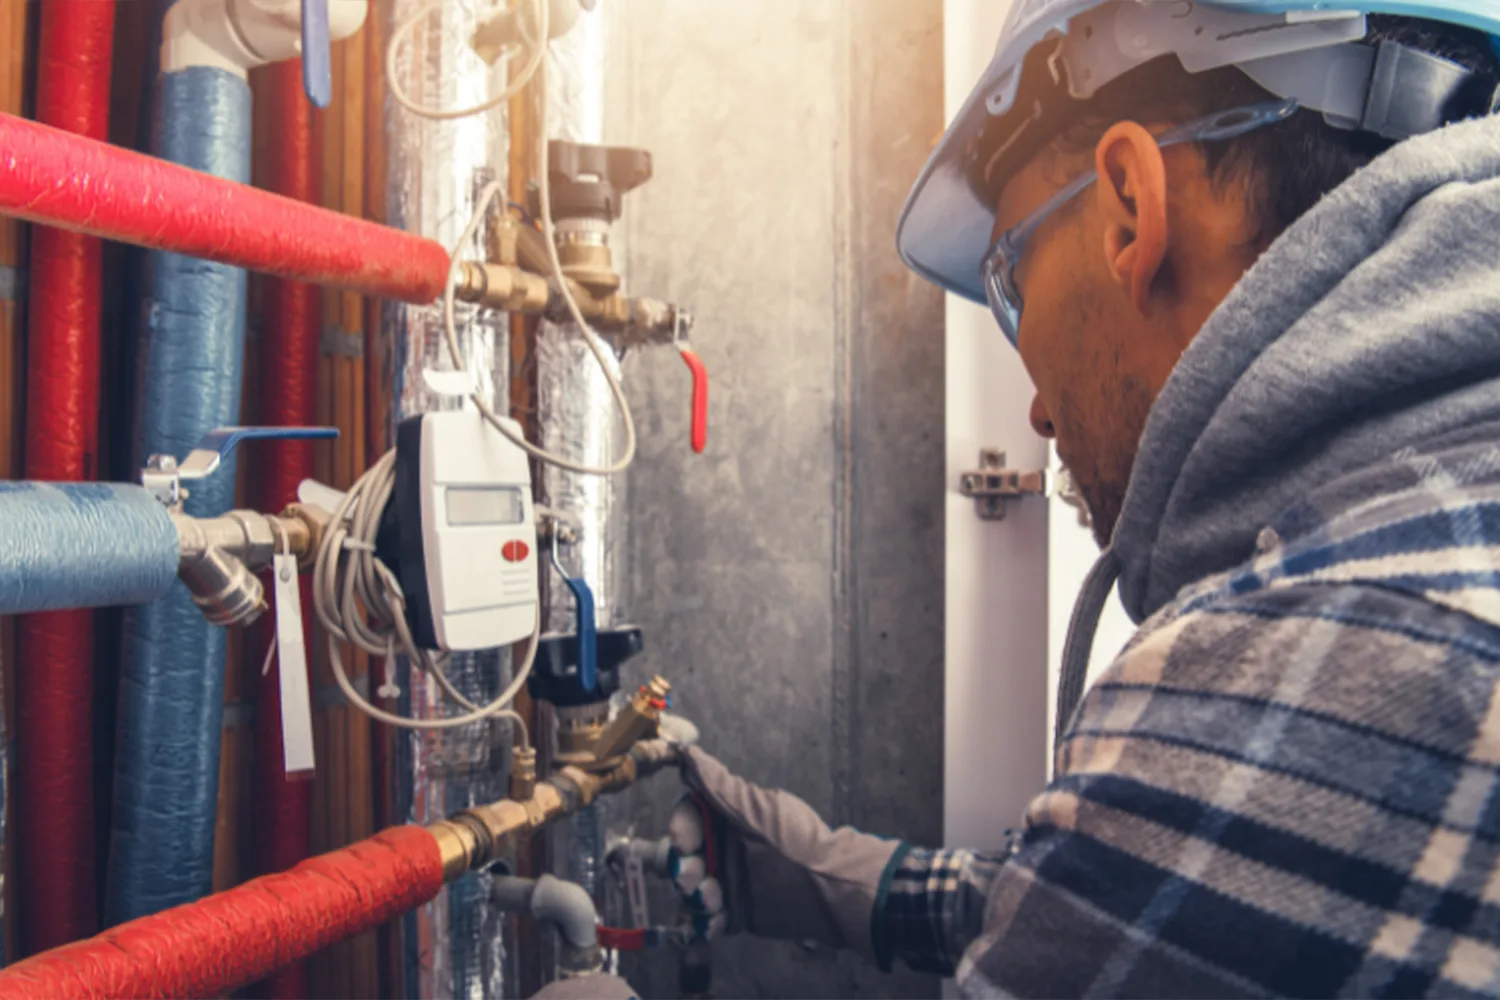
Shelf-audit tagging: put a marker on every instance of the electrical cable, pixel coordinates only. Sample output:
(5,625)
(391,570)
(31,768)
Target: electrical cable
(398,91)
(355,596)
(596,346)
(358,600)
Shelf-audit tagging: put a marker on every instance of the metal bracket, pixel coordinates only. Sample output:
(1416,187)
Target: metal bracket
(992,484)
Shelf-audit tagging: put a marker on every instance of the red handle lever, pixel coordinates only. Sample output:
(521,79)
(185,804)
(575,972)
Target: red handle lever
(623,939)
(700,396)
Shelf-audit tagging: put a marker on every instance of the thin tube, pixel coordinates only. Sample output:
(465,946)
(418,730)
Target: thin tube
(55,667)
(51,177)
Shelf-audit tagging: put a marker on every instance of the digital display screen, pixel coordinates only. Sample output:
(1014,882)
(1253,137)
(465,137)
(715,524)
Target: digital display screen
(485,505)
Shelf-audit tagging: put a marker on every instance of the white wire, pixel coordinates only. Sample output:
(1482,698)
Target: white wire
(398,90)
(359,601)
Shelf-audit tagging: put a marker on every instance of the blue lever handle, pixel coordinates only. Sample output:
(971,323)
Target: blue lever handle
(588,655)
(219,443)
(317,55)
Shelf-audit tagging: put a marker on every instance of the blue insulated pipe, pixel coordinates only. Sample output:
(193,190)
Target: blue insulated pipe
(82,545)
(172,668)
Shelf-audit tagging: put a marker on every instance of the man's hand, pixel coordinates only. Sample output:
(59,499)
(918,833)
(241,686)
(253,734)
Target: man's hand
(760,860)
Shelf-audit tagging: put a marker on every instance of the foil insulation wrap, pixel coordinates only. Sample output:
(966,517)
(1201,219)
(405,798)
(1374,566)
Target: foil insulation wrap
(457,945)
(579,420)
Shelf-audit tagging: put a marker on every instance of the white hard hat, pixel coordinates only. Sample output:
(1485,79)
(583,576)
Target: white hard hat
(1293,48)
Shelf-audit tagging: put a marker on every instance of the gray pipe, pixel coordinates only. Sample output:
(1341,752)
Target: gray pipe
(82,545)
(569,908)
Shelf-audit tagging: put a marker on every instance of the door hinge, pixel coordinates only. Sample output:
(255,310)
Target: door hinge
(992,484)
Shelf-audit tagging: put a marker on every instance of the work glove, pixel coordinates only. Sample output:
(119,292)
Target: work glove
(760,860)
(598,987)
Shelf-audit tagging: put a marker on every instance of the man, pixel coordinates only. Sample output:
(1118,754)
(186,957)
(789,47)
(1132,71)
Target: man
(1251,261)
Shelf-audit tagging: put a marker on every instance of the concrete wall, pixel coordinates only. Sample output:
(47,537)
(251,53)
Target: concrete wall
(790,579)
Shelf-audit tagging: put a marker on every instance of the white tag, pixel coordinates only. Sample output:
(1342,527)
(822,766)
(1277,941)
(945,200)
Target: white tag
(450,383)
(291,658)
(316,494)
(635,888)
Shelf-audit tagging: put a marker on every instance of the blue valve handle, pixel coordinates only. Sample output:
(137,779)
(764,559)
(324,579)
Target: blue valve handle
(317,56)
(588,656)
(219,443)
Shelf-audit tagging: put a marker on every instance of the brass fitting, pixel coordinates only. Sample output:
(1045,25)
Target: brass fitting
(522,772)
(635,722)
(502,286)
(477,836)
(578,729)
(458,845)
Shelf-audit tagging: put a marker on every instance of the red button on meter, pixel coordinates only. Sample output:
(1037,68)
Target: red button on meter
(515,551)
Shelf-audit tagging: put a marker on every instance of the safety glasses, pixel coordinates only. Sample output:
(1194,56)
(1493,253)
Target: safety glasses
(998,271)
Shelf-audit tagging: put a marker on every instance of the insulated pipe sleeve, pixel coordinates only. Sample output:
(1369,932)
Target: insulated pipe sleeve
(55,669)
(51,177)
(82,545)
(288,397)
(213,946)
(172,671)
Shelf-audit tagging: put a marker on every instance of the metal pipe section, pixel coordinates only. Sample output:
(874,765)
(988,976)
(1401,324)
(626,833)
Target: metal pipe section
(455,946)
(82,545)
(55,667)
(50,177)
(172,671)
(578,419)
(288,396)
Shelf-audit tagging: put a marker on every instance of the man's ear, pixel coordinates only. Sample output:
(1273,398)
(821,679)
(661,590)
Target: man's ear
(1133,200)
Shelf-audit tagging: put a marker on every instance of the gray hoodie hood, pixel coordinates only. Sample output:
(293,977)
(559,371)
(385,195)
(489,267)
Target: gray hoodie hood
(1372,323)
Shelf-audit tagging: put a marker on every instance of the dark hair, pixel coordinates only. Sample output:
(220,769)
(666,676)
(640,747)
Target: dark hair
(1284,169)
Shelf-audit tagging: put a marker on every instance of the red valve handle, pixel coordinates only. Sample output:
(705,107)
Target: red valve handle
(700,397)
(623,938)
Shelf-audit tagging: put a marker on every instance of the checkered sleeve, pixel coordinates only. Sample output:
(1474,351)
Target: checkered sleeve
(932,907)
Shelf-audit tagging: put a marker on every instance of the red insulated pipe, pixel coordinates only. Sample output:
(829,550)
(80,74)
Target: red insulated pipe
(51,177)
(55,672)
(223,941)
(289,384)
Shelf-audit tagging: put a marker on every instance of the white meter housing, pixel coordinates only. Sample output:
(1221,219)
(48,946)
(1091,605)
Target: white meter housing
(467,532)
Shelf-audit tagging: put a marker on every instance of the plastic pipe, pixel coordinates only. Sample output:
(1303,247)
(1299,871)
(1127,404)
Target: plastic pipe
(55,667)
(82,545)
(57,179)
(172,668)
(289,382)
(213,946)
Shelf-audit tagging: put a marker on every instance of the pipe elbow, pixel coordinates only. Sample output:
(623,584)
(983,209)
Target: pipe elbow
(569,908)
(239,36)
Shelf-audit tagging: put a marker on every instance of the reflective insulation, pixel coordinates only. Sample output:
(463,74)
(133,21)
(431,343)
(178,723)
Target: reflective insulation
(82,545)
(171,697)
(578,419)
(455,946)
(789,580)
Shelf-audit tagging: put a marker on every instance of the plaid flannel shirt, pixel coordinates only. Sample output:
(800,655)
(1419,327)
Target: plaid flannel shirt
(1285,785)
